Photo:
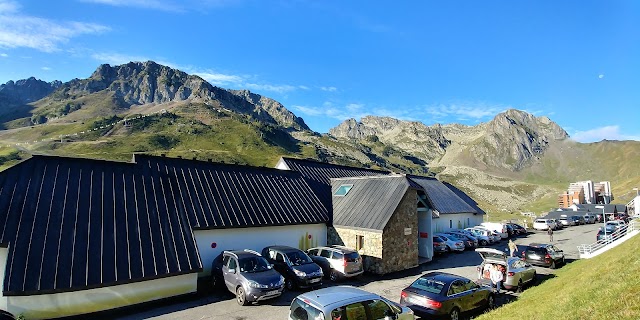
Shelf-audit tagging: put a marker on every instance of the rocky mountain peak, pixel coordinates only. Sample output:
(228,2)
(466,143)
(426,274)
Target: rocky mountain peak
(27,90)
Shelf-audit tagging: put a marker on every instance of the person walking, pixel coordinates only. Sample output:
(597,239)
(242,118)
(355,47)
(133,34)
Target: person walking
(550,233)
(512,247)
(496,278)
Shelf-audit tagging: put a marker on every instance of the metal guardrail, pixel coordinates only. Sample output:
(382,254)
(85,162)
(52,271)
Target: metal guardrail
(608,239)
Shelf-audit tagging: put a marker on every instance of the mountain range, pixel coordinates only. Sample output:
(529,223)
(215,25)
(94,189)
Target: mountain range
(515,162)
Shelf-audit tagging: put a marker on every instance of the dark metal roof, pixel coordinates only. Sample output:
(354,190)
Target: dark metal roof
(319,175)
(370,202)
(74,224)
(466,198)
(621,208)
(441,198)
(215,195)
(608,208)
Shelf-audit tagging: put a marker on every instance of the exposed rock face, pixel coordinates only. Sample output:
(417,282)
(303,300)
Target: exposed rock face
(27,90)
(513,138)
(410,136)
(138,83)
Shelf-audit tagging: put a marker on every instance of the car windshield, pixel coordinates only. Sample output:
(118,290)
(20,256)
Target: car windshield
(608,229)
(298,258)
(351,257)
(254,264)
(428,285)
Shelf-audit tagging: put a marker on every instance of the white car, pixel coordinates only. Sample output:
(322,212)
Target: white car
(615,223)
(484,236)
(494,235)
(453,243)
(498,227)
(544,224)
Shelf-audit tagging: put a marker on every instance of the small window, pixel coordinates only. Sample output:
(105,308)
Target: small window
(279,257)
(359,242)
(450,223)
(356,311)
(379,309)
(343,190)
(232,263)
(313,252)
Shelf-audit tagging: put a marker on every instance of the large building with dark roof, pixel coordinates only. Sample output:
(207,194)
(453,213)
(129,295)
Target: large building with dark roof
(80,235)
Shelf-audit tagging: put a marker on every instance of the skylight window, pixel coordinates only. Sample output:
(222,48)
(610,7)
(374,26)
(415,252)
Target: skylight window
(343,190)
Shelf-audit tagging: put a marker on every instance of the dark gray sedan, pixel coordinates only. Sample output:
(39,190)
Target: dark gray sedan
(439,294)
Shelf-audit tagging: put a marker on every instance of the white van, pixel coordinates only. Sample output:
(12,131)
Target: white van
(498,227)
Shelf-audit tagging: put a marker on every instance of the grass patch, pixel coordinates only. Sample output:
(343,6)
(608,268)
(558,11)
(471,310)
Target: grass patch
(603,287)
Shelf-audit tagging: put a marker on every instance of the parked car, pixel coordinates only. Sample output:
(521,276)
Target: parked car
(567,221)
(541,254)
(345,302)
(248,275)
(543,224)
(439,245)
(494,235)
(498,227)
(469,235)
(558,224)
(337,262)
(616,223)
(482,240)
(482,233)
(298,269)
(453,243)
(517,273)
(519,230)
(607,234)
(588,218)
(580,219)
(437,294)
(468,241)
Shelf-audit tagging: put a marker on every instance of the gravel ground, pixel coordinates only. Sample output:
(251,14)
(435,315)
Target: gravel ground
(222,306)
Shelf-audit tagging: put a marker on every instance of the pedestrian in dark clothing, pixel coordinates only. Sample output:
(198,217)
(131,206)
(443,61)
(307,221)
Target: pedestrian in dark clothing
(550,233)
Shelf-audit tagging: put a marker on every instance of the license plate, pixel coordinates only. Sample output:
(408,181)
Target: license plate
(272,292)
(314,280)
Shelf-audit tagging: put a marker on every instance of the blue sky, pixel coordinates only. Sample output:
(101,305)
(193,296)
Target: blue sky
(577,62)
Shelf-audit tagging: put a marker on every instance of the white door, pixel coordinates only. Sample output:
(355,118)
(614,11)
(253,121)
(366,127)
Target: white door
(425,236)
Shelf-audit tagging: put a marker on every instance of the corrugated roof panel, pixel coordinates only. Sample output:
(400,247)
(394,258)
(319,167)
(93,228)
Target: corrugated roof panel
(442,198)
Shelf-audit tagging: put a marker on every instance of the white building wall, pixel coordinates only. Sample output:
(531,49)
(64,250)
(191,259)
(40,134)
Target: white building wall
(425,234)
(212,242)
(450,221)
(65,304)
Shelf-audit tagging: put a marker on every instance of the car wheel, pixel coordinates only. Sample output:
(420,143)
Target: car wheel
(289,284)
(448,249)
(491,302)
(454,314)
(241,298)
(333,276)
(519,288)
(483,242)
(553,264)
(563,261)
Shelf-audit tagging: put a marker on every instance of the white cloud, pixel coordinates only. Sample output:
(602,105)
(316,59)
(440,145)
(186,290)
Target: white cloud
(270,87)
(19,30)
(145,4)
(600,76)
(46,68)
(117,58)
(219,78)
(304,87)
(4,55)
(465,111)
(601,133)
(329,89)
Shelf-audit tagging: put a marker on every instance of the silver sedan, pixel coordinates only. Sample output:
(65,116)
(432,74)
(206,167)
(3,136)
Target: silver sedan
(518,273)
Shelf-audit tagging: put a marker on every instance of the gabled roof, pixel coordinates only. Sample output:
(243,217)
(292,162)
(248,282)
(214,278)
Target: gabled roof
(370,202)
(216,195)
(75,224)
(319,174)
(466,198)
(441,198)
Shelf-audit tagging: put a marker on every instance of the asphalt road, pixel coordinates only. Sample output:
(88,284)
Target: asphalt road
(222,305)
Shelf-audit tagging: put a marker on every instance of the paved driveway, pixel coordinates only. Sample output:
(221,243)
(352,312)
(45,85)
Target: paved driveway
(222,306)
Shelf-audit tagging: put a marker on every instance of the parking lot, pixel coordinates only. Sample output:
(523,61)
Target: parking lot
(222,305)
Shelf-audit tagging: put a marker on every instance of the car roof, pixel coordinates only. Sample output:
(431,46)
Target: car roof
(443,276)
(243,253)
(540,245)
(282,248)
(336,295)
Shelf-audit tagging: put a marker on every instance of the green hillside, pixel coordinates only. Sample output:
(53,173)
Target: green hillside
(603,287)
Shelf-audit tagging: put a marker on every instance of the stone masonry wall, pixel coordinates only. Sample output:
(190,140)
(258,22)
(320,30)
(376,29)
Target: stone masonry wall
(371,252)
(400,251)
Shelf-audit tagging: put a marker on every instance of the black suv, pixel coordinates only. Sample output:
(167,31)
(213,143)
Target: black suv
(298,269)
(546,255)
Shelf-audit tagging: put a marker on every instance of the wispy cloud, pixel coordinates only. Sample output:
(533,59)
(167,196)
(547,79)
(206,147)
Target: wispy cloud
(283,88)
(351,110)
(219,78)
(466,111)
(4,55)
(329,89)
(601,133)
(46,68)
(144,4)
(20,30)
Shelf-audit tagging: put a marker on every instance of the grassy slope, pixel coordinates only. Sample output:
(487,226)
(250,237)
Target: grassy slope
(603,287)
